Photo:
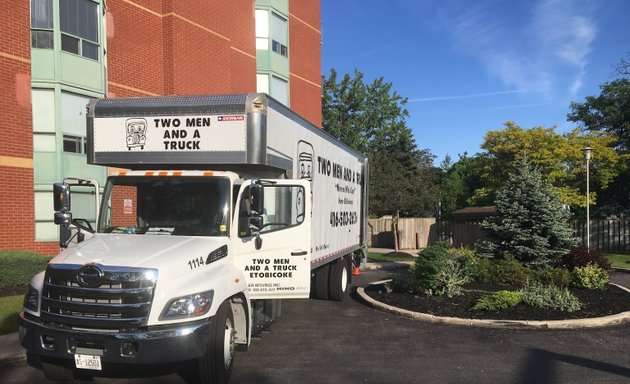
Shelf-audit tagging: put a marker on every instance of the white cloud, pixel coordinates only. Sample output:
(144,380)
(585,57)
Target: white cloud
(535,50)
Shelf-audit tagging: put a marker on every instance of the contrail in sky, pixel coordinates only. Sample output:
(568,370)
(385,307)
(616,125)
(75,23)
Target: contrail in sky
(470,96)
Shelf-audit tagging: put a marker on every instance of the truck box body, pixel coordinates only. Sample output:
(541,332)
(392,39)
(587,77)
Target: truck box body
(249,133)
(222,205)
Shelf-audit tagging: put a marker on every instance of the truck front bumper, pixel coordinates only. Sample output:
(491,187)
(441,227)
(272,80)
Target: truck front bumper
(163,344)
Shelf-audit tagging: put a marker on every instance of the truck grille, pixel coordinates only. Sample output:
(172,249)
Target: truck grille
(96,296)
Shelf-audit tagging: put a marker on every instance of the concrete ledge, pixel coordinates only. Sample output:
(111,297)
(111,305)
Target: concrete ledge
(620,318)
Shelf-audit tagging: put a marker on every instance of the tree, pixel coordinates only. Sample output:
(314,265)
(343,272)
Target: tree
(371,118)
(530,223)
(458,182)
(558,157)
(610,111)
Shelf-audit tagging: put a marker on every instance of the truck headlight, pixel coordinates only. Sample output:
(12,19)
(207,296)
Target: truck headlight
(184,307)
(31,299)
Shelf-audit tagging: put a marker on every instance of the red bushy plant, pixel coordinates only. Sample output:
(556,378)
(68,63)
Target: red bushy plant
(581,257)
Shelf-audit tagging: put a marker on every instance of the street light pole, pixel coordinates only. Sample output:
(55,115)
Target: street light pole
(587,156)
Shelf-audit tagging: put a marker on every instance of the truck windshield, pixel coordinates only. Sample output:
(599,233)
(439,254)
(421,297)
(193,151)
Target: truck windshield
(166,205)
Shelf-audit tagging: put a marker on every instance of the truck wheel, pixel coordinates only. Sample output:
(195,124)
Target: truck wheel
(338,280)
(55,372)
(215,366)
(320,282)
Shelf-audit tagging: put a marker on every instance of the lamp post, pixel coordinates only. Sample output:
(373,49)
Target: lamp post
(587,156)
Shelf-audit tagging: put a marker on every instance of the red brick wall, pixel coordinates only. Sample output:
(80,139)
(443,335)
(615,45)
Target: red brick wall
(305,59)
(17,223)
(180,47)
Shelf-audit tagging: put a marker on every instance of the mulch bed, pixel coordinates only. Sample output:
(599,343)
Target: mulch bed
(594,303)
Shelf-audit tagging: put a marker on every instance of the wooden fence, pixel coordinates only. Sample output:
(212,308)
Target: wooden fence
(413,233)
(606,235)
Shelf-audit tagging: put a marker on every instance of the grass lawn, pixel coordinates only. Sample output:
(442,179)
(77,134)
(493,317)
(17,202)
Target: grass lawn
(391,256)
(619,260)
(10,306)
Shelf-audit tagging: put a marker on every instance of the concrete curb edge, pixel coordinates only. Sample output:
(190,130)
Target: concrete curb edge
(596,322)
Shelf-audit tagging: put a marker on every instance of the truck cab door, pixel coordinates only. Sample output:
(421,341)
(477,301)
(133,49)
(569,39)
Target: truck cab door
(275,253)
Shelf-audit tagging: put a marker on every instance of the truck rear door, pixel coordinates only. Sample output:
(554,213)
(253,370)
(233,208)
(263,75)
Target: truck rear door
(280,268)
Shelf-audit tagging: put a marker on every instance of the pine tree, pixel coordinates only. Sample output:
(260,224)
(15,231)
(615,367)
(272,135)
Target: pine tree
(530,224)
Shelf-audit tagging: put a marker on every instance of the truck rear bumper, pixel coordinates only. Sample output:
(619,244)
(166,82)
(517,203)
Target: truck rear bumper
(165,344)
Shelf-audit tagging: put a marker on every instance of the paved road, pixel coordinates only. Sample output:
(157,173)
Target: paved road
(329,342)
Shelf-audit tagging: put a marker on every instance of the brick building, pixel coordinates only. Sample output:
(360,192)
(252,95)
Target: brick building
(57,54)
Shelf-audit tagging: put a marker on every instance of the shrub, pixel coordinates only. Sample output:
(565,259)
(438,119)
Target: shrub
(429,263)
(550,296)
(498,300)
(590,277)
(507,271)
(554,276)
(438,271)
(451,278)
(18,267)
(581,257)
(469,261)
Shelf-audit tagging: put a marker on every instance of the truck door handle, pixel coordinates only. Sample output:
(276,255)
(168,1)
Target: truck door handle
(298,253)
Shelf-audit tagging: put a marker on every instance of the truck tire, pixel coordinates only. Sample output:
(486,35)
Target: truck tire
(56,372)
(338,282)
(215,366)
(320,282)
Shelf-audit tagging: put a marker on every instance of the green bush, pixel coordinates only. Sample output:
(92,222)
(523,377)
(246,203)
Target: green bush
(590,277)
(451,278)
(539,295)
(554,276)
(439,270)
(505,271)
(498,300)
(18,267)
(429,263)
(469,261)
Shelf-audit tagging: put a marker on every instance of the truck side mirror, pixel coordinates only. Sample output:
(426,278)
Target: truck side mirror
(258,198)
(61,198)
(63,217)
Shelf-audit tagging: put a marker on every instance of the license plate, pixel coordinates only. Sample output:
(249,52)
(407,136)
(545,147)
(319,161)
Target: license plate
(88,362)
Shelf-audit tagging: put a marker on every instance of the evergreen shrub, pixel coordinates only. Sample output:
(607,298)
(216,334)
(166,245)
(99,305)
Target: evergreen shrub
(539,295)
(498,300)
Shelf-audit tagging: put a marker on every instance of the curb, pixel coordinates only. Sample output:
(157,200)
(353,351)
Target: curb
(595,322)
(10,348)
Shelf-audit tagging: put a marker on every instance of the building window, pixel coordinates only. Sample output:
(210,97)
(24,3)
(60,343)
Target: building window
(262,83)
(279,35)
(79,27)
(262,29)
(42,24)
(72,144)
(280,90)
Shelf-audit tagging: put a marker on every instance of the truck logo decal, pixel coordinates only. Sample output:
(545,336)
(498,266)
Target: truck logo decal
(136,133)
(305,160)
(90,276)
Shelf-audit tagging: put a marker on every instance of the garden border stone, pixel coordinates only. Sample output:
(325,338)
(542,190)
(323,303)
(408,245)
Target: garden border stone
(595,322)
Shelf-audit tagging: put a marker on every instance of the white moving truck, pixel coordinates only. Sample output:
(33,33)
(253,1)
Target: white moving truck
(227,204)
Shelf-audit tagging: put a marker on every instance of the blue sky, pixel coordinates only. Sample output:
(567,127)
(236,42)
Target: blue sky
(467,67)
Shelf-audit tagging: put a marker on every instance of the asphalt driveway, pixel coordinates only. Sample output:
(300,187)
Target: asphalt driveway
(330,342)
